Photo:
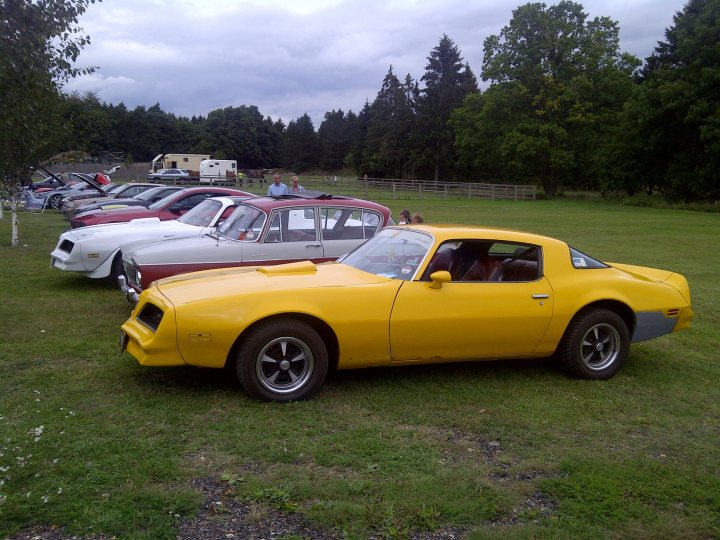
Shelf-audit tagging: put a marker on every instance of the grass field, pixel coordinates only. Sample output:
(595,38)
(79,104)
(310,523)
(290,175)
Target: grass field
(92,443)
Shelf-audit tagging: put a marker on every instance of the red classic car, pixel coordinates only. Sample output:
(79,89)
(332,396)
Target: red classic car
(171,207)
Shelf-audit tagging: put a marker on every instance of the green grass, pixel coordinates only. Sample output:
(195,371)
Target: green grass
(94,443)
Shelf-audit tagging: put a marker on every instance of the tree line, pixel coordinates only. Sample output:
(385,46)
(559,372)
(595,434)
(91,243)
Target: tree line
(563,107)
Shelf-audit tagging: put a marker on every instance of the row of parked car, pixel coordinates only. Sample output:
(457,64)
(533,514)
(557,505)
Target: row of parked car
(212,227)
(233,280)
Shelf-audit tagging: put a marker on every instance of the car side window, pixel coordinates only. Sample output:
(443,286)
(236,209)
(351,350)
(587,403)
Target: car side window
(190,202)
(292,225)
(347,223)
(486,260)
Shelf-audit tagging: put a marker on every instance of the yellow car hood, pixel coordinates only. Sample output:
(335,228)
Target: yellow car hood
(224,282)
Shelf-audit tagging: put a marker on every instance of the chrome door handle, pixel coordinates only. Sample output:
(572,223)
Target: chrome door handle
(312,245)
(540,296)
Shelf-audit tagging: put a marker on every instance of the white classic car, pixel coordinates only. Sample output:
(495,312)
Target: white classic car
(96,251)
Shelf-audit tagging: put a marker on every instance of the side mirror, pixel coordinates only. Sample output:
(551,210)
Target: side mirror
(438,278)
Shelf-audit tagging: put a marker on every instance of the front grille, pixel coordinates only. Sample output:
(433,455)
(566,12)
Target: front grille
(66,246)
(150,316)
(131,272)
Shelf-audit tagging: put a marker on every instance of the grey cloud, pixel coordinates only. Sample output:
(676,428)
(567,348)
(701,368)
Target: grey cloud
(193,59)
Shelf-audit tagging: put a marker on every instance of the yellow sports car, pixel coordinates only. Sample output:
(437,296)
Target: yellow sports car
(410,295)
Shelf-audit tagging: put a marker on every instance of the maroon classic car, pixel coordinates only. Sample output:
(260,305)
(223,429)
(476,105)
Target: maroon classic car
(171,207)
(309,225)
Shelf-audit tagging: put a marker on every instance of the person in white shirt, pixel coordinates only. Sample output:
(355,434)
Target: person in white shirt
(295,187)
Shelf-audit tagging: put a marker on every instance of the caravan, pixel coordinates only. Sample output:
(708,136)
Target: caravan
(214,171)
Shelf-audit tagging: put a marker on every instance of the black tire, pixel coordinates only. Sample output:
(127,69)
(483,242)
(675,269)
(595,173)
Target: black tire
(595,345)
(116,269)
(56,202)
(282,360)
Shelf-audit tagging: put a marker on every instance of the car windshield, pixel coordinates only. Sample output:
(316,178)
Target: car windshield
(202,215)
(159,205)
(393,253)
(113,188)
(245,223)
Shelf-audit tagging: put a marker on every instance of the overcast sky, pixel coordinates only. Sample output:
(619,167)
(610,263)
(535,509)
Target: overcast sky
(290,57)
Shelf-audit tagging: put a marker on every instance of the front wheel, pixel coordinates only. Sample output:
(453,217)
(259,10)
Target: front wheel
(595,345)
(282,360)
(116,269)
(56,202)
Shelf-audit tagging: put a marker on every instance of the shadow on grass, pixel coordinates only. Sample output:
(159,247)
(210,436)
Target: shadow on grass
(368,380)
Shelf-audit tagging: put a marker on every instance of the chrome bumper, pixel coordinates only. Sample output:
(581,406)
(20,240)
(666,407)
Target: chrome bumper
(131,294)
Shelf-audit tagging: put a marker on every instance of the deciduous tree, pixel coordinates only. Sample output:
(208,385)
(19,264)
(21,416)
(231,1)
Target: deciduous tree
(558,84)
(39,42)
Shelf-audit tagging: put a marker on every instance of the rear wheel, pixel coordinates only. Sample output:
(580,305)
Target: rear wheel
(595,345)
(283,360)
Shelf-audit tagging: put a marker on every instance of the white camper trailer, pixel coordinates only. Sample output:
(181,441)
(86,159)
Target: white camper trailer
(218,171)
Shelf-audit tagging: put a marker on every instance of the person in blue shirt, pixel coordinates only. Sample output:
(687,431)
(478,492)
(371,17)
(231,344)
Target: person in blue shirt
(277,187)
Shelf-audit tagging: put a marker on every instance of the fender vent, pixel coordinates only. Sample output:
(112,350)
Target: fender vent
(150,316)
(673,312)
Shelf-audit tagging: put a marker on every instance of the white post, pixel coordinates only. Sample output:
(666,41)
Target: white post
(14,220)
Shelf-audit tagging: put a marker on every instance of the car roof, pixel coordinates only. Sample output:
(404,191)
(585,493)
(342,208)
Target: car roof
(223,192)
(153,184)
(234,198)
(445,232)
(313,198)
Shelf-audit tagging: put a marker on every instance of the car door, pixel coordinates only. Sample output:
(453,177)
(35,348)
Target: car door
(291,236)
(471,319)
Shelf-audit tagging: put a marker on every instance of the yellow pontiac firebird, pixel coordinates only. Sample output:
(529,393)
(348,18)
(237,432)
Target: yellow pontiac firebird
(410,295)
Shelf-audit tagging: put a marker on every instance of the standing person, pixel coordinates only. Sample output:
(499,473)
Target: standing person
(295,187)
(418,218)
(405,217)
(277,187)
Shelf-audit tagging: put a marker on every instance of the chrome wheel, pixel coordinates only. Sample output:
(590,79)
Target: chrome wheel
(284,365)
(600,347)
(595,345)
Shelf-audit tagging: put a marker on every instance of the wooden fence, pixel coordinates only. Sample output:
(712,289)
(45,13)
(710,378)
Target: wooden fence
(470,190)
(370,187)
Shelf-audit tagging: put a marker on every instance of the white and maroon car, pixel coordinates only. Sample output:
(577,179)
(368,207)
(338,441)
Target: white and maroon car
(302,226)
(96,251)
